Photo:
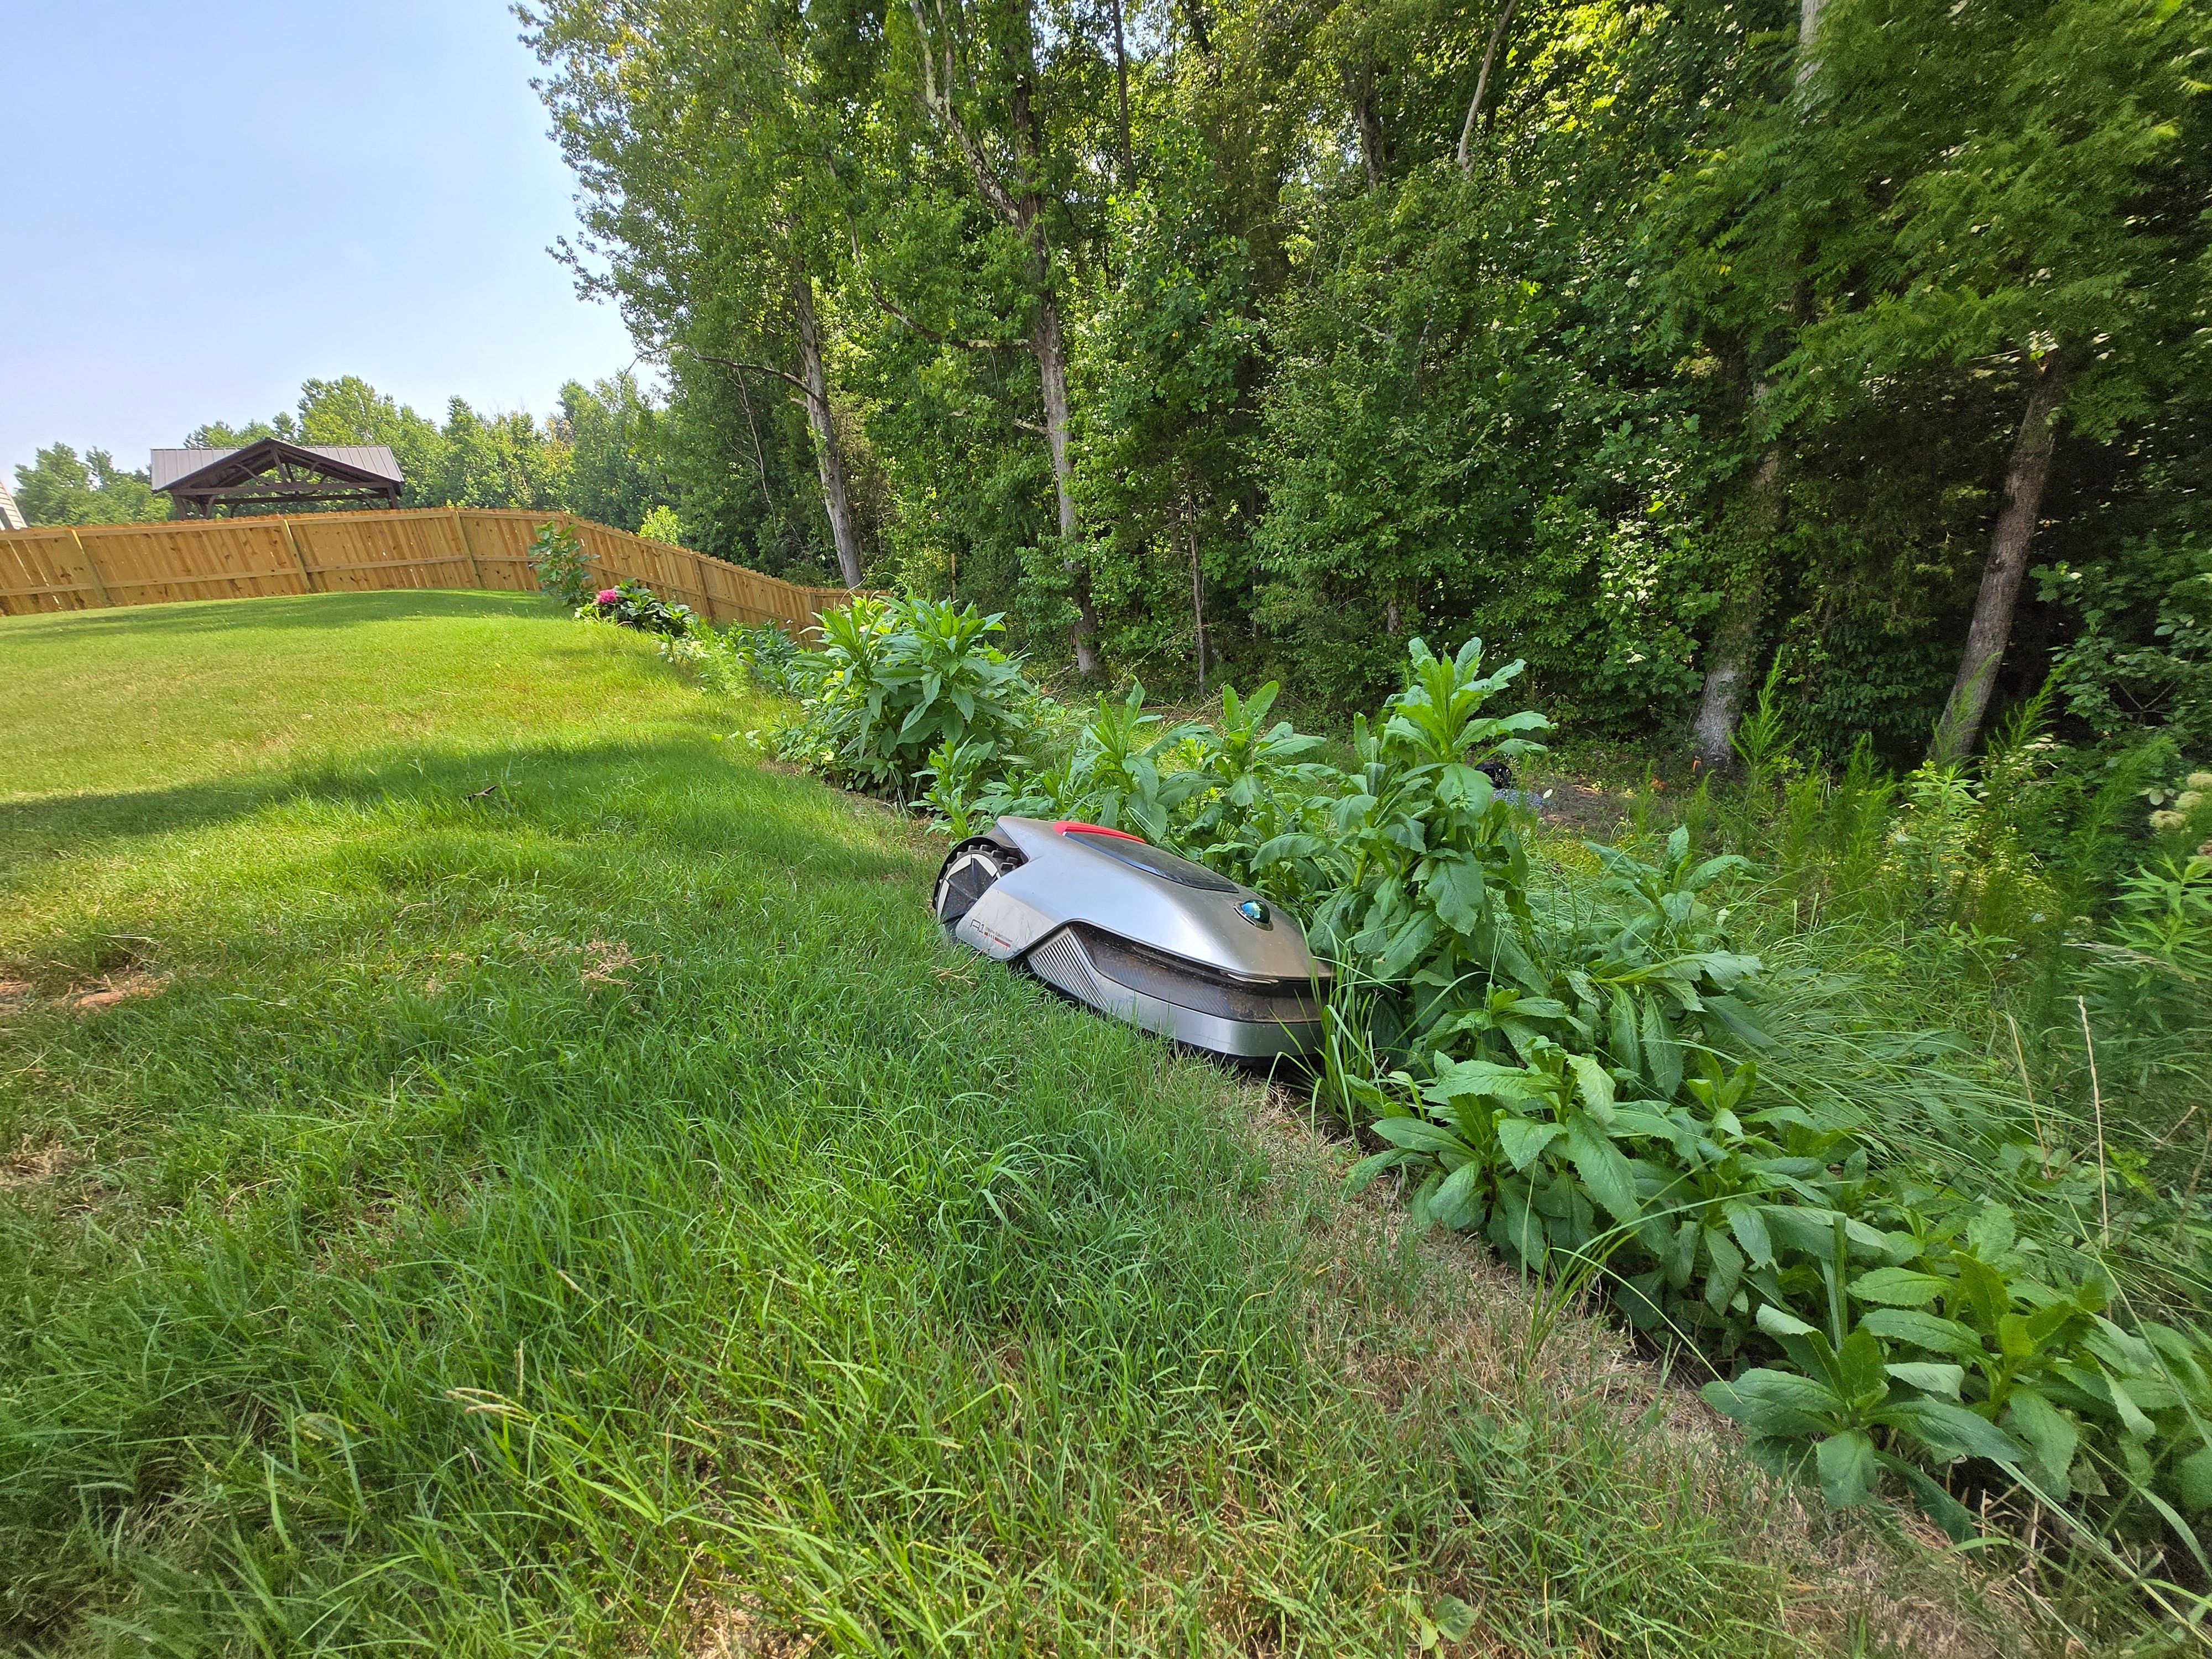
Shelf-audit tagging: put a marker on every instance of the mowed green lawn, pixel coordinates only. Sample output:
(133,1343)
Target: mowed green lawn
(487,1166)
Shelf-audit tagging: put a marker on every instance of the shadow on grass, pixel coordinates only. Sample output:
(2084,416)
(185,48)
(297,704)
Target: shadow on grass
(679,785)
(319,611)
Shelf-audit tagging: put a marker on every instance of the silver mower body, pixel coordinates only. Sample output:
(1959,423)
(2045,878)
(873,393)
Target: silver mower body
(1134,931)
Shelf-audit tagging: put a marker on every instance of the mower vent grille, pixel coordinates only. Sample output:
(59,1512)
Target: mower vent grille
(1060,961)
(1195,986)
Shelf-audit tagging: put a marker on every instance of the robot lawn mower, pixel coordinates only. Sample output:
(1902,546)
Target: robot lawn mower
(1120,926)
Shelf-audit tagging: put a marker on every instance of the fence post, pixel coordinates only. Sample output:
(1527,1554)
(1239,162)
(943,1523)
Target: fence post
(468,548)
(307,579)
(91,569)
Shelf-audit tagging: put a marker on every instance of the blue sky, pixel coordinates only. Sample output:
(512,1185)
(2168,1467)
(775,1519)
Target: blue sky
(185,186)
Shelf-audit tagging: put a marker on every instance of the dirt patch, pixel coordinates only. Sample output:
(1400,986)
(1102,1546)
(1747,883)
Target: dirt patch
(129,987)
(1597,813)
(121,974)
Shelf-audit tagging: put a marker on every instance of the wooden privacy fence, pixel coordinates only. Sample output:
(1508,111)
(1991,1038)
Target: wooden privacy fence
(83,568)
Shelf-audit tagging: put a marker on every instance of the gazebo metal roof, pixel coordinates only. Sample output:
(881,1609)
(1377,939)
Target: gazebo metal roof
(275,472)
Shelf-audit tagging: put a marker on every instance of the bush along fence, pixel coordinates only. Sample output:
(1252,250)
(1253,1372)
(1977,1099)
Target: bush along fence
(81,568)
(1592,1074)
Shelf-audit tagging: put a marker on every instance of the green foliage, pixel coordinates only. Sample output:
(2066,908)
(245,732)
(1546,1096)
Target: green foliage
(2143,654)
(742,656)
(563,569)
(2149,984)
(2055,1291)
(897,684)
(60,488)
(1586,1077)
(2016,146)
(630,604)
(618,438)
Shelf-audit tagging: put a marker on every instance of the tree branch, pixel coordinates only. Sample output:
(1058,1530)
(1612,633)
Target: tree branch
(890,307)
(1464,156)
(938,101)
(756,368)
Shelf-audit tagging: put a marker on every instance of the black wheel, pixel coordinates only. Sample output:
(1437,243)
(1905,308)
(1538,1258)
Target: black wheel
(970,869)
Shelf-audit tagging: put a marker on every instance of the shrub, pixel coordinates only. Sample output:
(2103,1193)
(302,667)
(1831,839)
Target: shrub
(2142,656)
(770,657)
(661,524)
(563,568)
(741,657)
(633,605)
(897,679)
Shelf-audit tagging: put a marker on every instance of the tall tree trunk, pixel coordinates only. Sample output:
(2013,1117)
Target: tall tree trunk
(1808,29)
(1052,372)
(1736,634)
(1465,154)
(1987,635)
(1197,588)
(1370,129)
(834,498)
(1020,205)
(1122,88)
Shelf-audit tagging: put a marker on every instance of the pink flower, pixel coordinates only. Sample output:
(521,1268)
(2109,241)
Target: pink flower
(608,596)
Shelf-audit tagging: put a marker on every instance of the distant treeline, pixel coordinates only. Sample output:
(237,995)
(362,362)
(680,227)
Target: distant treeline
(605,455)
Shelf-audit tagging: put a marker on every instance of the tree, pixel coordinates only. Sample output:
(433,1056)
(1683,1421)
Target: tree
(617,470)
(977,76)
(1167,363)
(349,411)
(60,488)
(705,141)
(496,461)
(1480,416)
(1753,318)
(1999,179)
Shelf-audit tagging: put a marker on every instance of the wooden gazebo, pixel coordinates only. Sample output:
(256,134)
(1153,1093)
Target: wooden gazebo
(275,473)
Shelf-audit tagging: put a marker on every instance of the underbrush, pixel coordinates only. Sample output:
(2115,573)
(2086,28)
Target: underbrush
(1790,1076)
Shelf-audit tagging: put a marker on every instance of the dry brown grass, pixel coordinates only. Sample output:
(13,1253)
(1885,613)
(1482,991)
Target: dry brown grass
(605,961)
(33,1164)
(1463,1341)
(736,1628)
